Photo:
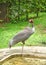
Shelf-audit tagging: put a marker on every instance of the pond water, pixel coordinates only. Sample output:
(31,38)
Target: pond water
(24,60)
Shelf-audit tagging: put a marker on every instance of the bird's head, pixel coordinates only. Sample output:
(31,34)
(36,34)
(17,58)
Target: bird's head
(30,20)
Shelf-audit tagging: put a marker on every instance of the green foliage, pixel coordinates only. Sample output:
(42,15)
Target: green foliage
(24,7)
(7,31)
(19,8)
(37,6)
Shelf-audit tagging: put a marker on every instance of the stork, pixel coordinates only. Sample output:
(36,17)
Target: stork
(23,35)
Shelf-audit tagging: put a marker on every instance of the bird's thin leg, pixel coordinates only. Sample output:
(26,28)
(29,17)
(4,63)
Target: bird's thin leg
(23,47)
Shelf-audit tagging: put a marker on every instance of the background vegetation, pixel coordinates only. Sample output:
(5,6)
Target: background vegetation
(19,11)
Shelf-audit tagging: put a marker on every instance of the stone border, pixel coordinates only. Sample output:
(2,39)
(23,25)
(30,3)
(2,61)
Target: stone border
(34,51)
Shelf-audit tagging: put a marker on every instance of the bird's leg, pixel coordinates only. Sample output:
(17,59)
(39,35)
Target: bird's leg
(23,47)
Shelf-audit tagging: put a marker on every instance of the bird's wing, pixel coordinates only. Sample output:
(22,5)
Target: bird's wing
(20,35)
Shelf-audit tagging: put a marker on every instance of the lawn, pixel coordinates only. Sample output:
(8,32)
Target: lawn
(8,30)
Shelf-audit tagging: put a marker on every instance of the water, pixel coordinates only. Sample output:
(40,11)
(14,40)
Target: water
(25,60)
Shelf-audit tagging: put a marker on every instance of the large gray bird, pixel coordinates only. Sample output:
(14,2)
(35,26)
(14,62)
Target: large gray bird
(23,35)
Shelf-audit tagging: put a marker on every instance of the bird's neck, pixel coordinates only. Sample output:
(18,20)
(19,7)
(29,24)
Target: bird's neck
(31,25)
(33,29)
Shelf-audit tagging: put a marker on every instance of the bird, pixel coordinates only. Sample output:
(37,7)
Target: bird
(23,35)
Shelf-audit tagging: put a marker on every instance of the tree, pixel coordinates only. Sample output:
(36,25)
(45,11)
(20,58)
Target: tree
(19,8)
(37,6)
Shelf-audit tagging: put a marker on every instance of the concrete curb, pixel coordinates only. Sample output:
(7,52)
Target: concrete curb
(36,51)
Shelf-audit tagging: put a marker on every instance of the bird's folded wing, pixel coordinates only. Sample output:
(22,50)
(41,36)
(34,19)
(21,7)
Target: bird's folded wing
(20,35)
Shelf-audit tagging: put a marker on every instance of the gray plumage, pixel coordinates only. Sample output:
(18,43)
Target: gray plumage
(22,36)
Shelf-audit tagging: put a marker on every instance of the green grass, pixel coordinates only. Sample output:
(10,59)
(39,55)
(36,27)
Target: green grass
(7,31)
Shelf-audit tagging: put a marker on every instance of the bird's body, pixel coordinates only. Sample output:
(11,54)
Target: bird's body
(23,35)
